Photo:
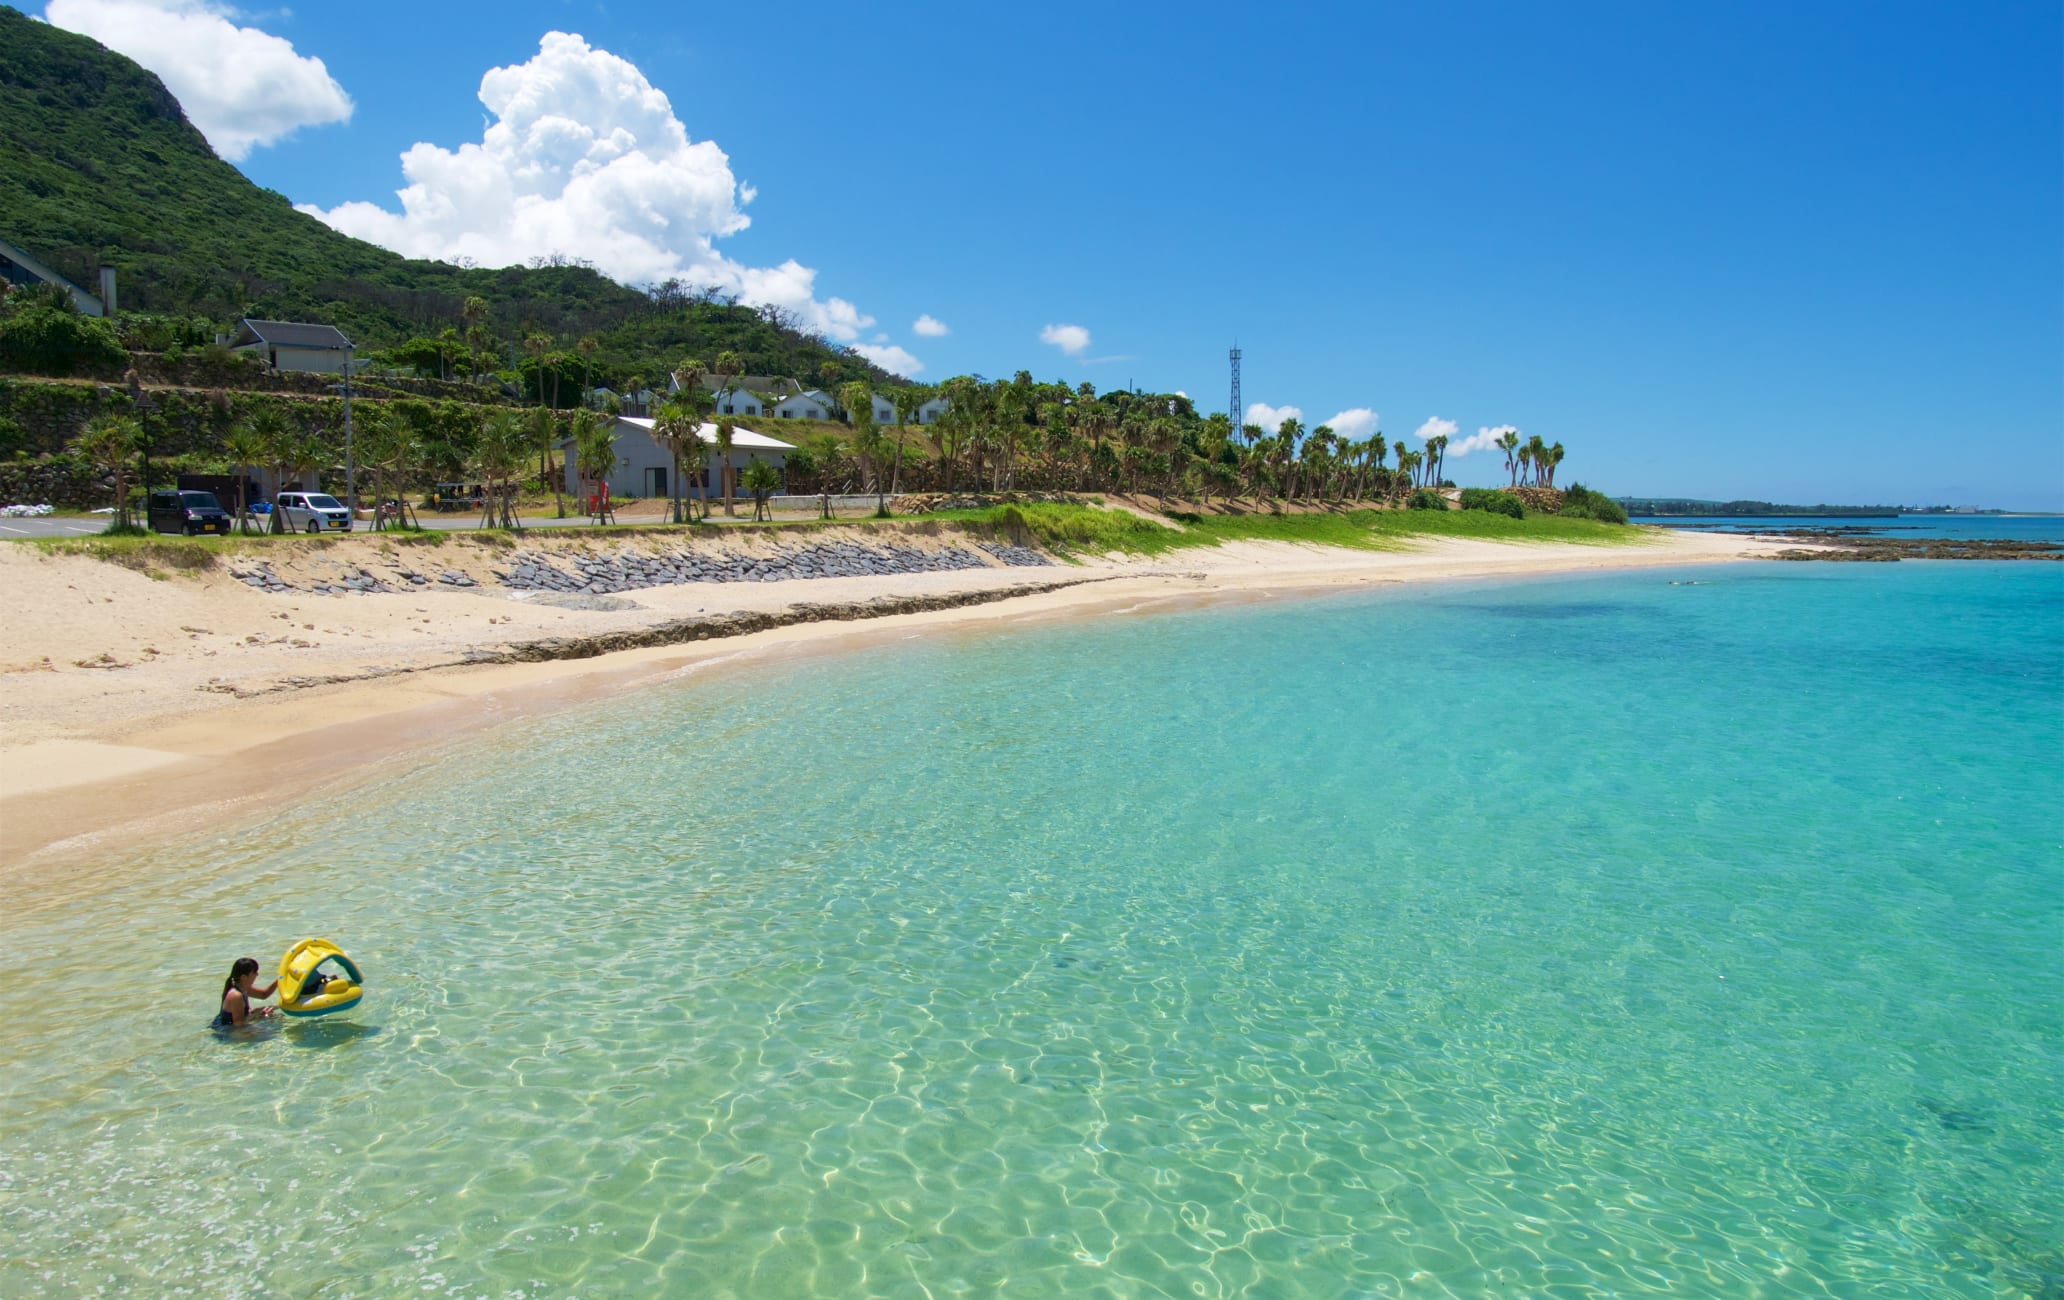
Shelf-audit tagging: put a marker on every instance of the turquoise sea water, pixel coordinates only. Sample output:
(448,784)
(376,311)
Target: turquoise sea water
(1595,935)
(2018,528)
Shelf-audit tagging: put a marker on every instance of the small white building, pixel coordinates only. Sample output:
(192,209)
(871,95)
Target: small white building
(930,412)
(811,404)
(644,468)
(290,345)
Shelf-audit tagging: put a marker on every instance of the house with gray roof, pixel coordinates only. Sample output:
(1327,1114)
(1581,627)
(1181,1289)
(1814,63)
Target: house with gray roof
(293,345)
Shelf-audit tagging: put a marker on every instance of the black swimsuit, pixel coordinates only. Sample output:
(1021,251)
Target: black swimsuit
(223,1020)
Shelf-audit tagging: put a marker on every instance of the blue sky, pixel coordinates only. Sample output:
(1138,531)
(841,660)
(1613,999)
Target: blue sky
(1793,252)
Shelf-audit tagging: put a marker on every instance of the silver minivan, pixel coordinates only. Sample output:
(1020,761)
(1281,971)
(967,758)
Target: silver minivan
(312,512)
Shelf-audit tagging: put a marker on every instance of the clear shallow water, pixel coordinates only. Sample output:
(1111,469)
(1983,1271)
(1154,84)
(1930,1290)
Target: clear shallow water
(1588,935)
(2018,528)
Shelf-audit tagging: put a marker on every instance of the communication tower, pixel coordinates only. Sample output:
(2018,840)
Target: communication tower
(1234,357)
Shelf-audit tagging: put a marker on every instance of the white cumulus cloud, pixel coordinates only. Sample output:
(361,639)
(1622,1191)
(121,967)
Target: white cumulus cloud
(1071,339)
(1482,440)
(239,86)
(1271,418)
(1356,422)
(586,159)
(1436,428)
(892,359)
(928,328)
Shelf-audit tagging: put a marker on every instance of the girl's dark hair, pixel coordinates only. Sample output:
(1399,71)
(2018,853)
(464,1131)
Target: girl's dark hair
(238,969)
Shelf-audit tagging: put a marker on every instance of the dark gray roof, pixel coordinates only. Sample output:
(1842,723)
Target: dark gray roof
(291,334)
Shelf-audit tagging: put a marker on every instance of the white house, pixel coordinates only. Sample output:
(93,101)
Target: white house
(930,412)
(644,468)
(814,404)
(289,345)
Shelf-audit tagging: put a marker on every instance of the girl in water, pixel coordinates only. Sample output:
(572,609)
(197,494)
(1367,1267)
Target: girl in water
(240,992)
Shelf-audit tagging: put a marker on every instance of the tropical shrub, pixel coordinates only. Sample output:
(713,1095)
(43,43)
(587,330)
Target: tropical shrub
(1427,499)
(1580,502)
(1495,500)
(44,339)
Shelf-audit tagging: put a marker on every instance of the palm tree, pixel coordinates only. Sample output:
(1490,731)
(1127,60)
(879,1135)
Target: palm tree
(586,347)
(107,442)
(594,456)
(1537,455)
(727,369)
(859,404)
(245,449)
(1508,442)
(677,426)
(907,399)
(1523,457)
(1554,459)
(474,313)
(1287,434)
(544,433)
(726,475)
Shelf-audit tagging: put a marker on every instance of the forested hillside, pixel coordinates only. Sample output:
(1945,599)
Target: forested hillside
(99,166)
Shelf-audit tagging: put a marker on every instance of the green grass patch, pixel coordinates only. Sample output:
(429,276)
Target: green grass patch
(1082,530)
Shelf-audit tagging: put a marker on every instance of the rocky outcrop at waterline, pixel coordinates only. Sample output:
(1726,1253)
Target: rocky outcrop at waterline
(1858,544)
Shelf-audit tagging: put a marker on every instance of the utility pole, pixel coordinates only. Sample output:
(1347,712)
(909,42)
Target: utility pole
(350,465)
(1234,357)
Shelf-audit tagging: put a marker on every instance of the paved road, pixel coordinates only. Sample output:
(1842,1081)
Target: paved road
(16,530)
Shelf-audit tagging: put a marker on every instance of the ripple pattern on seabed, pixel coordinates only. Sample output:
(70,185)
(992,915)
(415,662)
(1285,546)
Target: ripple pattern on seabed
(1590,936)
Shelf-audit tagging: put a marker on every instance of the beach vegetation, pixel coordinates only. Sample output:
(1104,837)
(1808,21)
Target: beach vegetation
(1426,499)
(1580,502)
(1493,500)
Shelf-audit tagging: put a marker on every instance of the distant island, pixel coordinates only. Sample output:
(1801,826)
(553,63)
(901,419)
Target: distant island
(1641,507)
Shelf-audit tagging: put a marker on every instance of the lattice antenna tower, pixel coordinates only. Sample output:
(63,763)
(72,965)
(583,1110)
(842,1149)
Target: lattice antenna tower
(1234,357)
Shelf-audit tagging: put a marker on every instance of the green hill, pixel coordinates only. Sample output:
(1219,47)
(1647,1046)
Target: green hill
(99,166)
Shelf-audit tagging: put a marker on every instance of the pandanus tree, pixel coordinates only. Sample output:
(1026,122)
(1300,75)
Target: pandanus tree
(761,479)
(107,442)
(1554,458)
(499,454)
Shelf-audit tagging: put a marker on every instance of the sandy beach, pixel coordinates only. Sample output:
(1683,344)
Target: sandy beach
(142,706)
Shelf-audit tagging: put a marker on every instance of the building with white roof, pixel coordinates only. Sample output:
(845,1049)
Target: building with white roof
(644,468)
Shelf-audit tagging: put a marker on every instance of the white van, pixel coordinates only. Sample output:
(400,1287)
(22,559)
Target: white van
(312,512)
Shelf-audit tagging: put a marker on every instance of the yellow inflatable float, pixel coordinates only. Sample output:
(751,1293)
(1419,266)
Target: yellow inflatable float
(305,989)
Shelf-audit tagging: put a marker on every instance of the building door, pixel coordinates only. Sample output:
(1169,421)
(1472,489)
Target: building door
(655,481)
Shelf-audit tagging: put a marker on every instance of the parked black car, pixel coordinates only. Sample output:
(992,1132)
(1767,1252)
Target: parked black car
(188,512)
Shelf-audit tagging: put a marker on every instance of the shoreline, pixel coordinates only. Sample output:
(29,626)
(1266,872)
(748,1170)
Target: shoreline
(82,782)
